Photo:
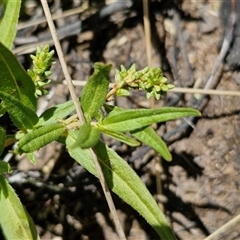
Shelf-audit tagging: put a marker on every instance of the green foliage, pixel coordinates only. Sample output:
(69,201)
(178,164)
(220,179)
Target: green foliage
(2,139)
(21,115)
(148,79)
(14,219)
(60,111)
(122,180)
(129,120)
(119,136)
(39,137)
(19,91)
(4,167)
(87,136)
(14,79)
(40,73)
(95,91)
(8,21)
(148,136)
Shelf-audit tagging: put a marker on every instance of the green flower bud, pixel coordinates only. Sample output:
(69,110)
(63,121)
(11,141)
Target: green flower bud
(157,96)
(150,80)
(149,95)
(163,80)
(157,88)
(164,88)
(132,69)
(144,71)
(42,63)
(48,73)
(170,86)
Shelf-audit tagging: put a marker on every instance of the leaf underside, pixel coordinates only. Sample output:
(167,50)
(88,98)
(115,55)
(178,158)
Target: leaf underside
(14,219)
(53,114)
(39,137)
(122,180)
(129,120)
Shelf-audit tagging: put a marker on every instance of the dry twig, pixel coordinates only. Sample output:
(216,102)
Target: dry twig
(225,228)
(176,89)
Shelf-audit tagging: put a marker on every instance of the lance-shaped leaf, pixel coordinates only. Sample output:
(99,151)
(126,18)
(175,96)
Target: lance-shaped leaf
(122,180)
(31,157)
(119,136)
(2,110)
(145,134)
(77,153)
(95,91)
(21,115)
(2,139)
(14,80)
(10,14)
(88,136)
(53,114)
(148,136)
(4,167)
(126,184)
(14,219)
(128,120)
(111,110)
(39,137)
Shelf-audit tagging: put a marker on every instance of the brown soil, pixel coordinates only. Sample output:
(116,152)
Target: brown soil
(201,184)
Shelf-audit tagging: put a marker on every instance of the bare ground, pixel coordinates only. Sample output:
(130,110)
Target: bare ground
(201,184)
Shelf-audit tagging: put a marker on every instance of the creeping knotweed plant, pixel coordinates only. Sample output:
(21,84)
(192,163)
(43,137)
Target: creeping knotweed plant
(40,73)
(19,95)
(59,123)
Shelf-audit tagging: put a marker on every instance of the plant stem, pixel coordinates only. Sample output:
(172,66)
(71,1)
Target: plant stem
(111,92)
(108,197)
(81,118)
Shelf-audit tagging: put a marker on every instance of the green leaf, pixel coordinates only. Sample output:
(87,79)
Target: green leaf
(9,21)
(88,136)
(4,168)
(15,222)
(14,80)
(111,110)
(126,184)
(79,153)
(39,137)
(58,112)
(2,139)
(21,115)
(31,157)
(128,120)
(95,91)
(148,136)
(2,109)
(122,180)
(119,136)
